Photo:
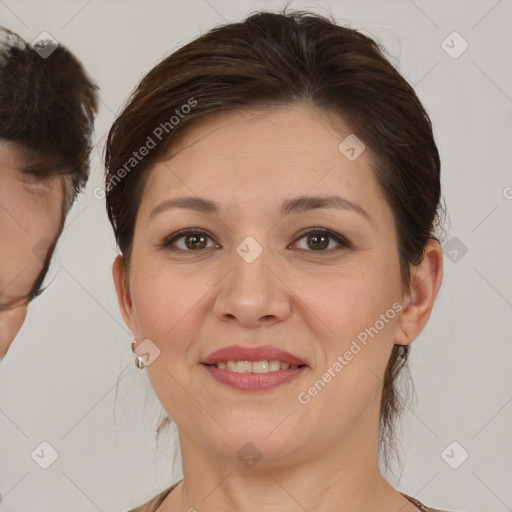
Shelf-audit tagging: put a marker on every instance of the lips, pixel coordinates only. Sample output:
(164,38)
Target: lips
(253,354)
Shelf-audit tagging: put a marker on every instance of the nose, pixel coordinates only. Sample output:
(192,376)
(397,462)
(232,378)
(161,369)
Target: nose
(253,293)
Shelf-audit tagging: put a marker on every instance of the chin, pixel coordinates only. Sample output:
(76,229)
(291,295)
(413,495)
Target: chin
(269,441)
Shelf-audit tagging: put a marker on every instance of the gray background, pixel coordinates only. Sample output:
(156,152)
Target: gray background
(58,382)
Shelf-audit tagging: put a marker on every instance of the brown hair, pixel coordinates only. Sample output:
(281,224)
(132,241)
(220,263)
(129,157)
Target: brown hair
(275,59)
(47,109)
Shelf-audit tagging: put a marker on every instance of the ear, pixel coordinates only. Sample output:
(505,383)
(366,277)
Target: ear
(426,280)
(123,295)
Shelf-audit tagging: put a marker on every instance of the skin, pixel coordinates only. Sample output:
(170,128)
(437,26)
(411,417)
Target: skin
(30,217)
(323,455)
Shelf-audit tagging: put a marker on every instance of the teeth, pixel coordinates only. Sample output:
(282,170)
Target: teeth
(244,367)
(259,367)
(274,366)
(256,367)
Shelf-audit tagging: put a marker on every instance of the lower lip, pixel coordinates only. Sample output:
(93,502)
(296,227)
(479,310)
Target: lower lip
(254,381)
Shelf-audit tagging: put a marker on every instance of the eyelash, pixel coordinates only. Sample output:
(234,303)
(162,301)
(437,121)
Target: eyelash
(344,243)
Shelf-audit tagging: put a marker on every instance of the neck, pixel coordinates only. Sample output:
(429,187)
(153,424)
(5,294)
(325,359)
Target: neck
(345,477)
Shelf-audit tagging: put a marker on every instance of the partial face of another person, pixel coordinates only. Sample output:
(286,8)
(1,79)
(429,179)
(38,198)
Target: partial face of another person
(31,208)
(308,280)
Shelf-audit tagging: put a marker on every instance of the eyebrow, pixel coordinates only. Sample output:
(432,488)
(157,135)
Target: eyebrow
(299,204)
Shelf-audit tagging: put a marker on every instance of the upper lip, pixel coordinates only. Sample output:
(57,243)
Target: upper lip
(264,353)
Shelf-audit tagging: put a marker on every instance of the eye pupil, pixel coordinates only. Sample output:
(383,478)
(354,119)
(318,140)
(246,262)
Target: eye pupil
(316,238)
(195,237)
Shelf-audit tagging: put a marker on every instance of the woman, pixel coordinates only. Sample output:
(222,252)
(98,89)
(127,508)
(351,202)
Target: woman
(300,168)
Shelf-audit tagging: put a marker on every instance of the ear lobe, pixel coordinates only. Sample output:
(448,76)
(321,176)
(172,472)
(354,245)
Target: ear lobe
(426,280)
(123,293)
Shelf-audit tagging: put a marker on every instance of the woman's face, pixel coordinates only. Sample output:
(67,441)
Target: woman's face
(253,275)
(30,216)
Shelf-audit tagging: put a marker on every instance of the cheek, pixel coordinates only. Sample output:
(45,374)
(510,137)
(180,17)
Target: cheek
(28,225)
(20,260)
(360,307)
(30,211)
(363,320)
(164,301)
(349,299)
(357,313)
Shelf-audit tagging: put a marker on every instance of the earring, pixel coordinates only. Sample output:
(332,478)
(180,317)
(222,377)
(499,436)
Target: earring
(139,360)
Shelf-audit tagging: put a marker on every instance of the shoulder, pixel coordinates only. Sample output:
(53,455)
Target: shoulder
(153,504)
(422,506)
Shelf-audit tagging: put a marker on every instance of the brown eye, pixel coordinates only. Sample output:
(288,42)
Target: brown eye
(318,240)
(193,241)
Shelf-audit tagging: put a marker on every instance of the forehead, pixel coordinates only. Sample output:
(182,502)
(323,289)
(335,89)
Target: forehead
(271,131)
(295,142)
(251,157)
